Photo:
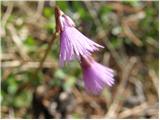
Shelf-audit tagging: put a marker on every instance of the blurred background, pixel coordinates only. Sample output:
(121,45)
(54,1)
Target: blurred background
(129,32)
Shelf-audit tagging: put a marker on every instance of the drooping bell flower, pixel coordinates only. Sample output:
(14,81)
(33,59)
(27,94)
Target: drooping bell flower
(73,43)
(95,75)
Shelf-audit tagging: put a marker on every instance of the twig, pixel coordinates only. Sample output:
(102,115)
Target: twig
(10,64)
(134,111)
(25,65)
(7,13)
(18,42)
(130,34)
(23,5)
(114,108)
(6,56)
(138,110)
(128,31)
(39,10)
(154,78)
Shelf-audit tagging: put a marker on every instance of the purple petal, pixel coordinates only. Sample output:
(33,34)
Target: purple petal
(96,77)
(74,44)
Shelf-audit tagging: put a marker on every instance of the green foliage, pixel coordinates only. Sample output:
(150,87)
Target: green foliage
(105,9)
(147,22)
(30,41)
(116,43)
(23,99)
(10,85)
(11,96)
(62,4)
(19,84)
(48,12)
(59,74)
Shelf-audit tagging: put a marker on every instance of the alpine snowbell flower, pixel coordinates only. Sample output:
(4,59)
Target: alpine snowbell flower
(95,75)
(73,43)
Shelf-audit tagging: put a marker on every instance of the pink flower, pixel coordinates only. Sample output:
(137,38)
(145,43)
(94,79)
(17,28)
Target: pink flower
(95,75)
(73,43)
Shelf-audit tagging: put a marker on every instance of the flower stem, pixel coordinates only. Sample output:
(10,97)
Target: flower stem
(54,36)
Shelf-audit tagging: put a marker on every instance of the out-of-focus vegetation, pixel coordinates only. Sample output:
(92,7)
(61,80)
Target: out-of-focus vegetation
(129,32)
